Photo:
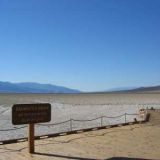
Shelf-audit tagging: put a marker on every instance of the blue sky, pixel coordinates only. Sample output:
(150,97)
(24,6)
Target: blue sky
(89,45)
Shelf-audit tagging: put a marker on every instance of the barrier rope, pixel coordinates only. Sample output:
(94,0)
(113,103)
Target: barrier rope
(12,129)
(78,120)
(87,120)
(54,124)
(132,114)
(115,116)
(70,120)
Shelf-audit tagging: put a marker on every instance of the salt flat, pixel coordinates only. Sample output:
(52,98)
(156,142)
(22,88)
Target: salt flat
(75,106)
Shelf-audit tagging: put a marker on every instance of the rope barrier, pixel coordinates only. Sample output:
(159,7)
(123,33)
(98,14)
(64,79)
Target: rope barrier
(132,114)
(78,120)
(115,116)
(13,129)
(53,124)
(73,120)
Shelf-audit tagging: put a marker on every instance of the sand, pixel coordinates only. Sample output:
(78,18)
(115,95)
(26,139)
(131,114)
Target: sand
(140,141)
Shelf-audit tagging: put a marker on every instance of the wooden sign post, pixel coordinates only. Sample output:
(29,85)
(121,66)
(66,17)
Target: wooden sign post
(31,138)
(31,114)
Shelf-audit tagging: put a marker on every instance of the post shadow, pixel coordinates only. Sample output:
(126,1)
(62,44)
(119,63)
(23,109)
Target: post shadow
(63,156)
(82,158)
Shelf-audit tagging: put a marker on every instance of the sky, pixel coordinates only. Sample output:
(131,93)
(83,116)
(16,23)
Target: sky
(90,45)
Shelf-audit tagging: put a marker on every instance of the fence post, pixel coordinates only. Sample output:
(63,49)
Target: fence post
(125,118)
(70,124)
(101,121)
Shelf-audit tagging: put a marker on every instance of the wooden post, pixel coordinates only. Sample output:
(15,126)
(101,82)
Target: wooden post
(125,118)
(31,138)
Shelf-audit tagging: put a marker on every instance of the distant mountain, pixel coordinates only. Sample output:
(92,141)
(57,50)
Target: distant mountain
(28,87)
(146,89)
(152,89)
(120,89)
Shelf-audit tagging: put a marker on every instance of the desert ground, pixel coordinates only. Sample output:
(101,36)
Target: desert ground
(138,141)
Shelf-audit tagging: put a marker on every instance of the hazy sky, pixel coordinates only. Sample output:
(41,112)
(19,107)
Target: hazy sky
(89,45)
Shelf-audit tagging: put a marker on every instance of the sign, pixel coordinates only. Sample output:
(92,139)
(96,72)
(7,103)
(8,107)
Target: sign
(31,113)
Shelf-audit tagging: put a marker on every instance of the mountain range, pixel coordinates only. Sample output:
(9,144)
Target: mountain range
(30,87)
(150,89)
(146,89)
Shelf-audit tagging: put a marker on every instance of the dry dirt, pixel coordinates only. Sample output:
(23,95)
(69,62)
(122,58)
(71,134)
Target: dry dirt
(140,141)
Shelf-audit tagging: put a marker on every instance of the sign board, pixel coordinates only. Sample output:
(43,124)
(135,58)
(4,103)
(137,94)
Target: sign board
(31,113)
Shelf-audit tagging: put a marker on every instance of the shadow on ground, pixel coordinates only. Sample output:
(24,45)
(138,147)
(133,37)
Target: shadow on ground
(63,156)
(82,158)
(126,158)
